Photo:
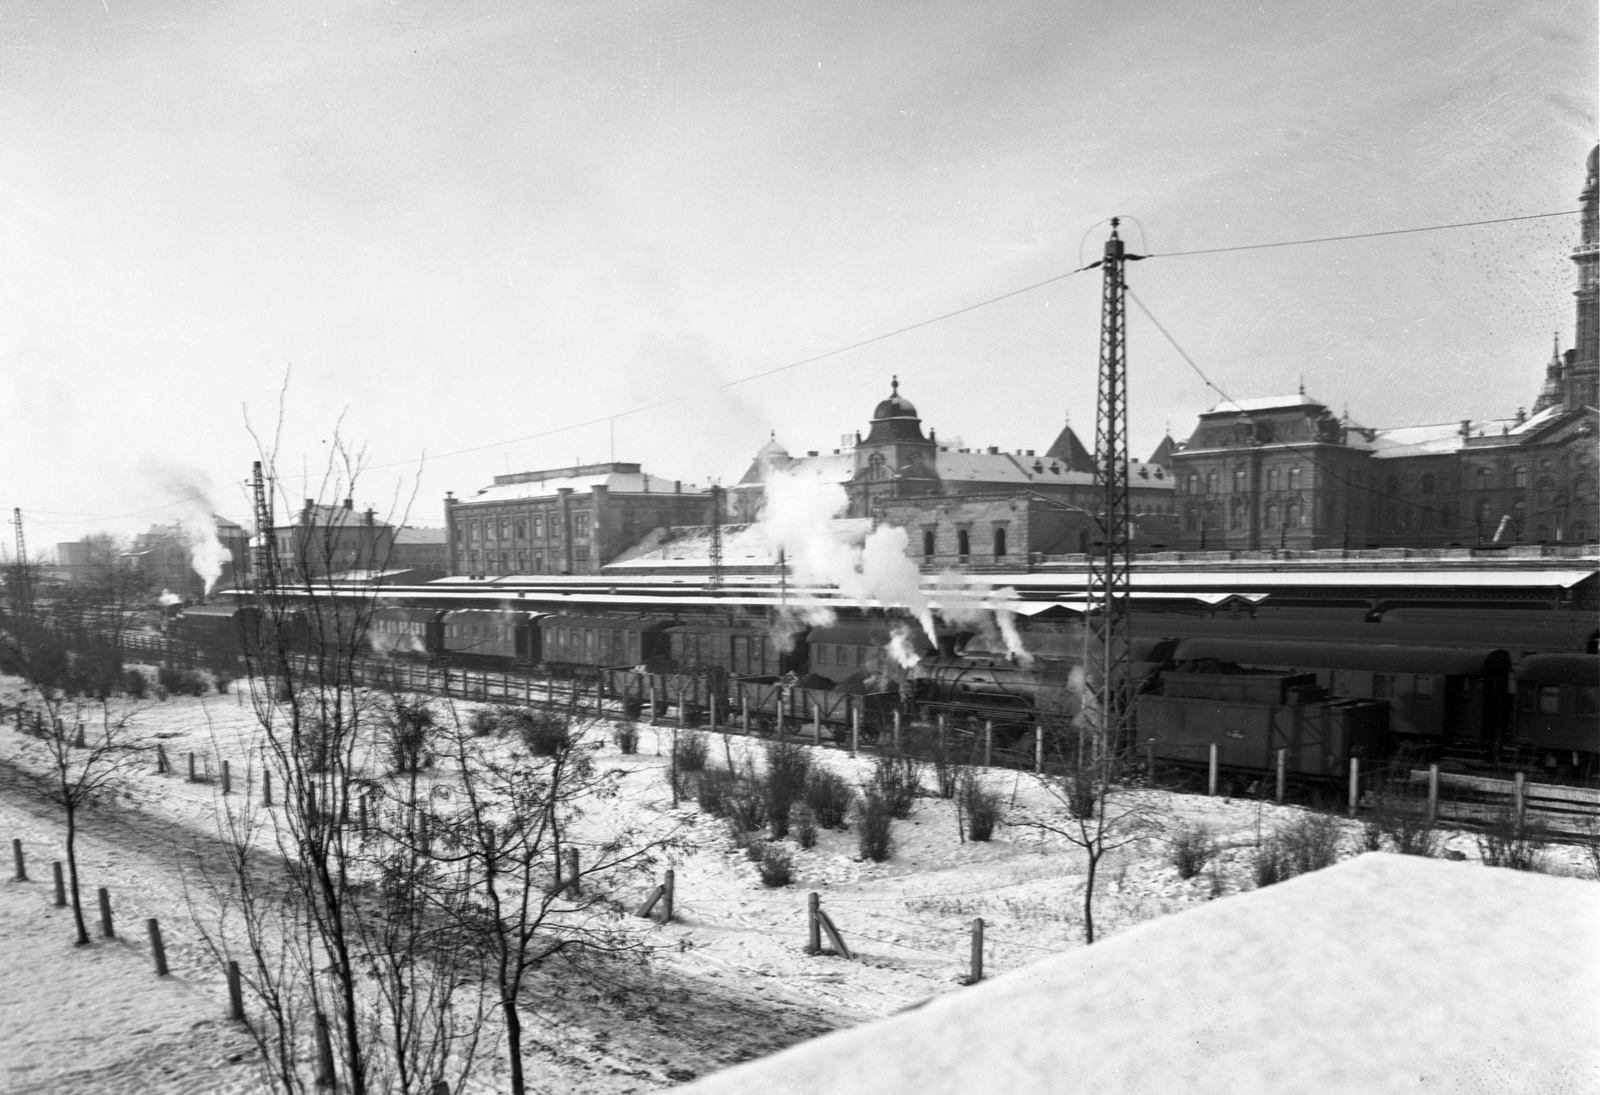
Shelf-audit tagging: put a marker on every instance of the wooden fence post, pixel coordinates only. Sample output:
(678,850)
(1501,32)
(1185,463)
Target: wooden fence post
(988,743)
(652,700)
(266,787)
(191,768)
(1038,749)
(1519,793)
(816,722)
(778,702)
(897,732)
(1283,768)
(682,709)
(227,783)
(855,728)
(61,884)
(1211,771)
(574,887)
(1355,784)
(976,972)
(744,710)
(16,855)
(105,914)
(813,924)
(1150,760)
(667,896)
(1433,793)
(711,708)
(157,951)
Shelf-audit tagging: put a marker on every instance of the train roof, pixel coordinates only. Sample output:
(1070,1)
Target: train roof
(1443,661)
(1579,669)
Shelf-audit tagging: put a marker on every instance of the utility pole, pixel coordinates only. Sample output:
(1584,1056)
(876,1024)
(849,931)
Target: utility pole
(1110,563)
(715,581)
(21,591)
(264,540)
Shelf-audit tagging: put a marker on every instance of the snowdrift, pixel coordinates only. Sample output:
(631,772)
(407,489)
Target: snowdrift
(1385,973)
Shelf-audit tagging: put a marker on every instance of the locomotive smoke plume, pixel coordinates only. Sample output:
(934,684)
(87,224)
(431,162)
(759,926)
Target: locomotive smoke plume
(796,519)
(900,649)
(196,521)
(170,598)
(980,605)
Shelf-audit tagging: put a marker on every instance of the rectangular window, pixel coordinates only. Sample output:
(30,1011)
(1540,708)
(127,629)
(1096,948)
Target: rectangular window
(538,528)
(505,528)
(1238,482)
(1294,477)
(580,558)
(1211,482)
(1527,695)
(1422,689)
(522,562)
(1272,478)
(461,534)
(1382,686)
(580,524)
(822,653)
(521,529)
(1550,699)
(538,562)
(1588,701)
(472,530)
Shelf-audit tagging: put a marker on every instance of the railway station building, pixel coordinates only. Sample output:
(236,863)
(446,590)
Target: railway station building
(1285,473)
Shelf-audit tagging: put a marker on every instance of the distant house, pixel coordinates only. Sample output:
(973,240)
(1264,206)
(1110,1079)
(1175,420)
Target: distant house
(419,547)
(329,539)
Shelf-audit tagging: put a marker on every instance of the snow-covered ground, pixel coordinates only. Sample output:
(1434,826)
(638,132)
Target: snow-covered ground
(729,981)
(1382,974)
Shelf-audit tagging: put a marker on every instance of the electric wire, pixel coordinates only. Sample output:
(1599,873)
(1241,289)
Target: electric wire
(1445,515)
(884,336)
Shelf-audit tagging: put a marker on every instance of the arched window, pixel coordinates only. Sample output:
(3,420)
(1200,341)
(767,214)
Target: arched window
(1483,511)
(1238,481)
(1236,514)
(1272,478)
(927,543)
(1292,517)
(1188,519)
(1580,530)
(877,468)
(1272,517)
(963,545)
(1520,476)
(999,544)
(1211,482)
(1194,484)
(1294,477)
(1547,490)
(1481,479)
(1582,487)
(1427,484)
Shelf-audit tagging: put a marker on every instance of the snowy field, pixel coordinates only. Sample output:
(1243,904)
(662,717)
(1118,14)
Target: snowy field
(728,980)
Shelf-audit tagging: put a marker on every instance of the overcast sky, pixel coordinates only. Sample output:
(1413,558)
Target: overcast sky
(457,225)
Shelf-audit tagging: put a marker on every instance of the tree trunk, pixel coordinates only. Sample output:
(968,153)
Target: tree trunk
(72,872)
(519,1085)
(1088,897)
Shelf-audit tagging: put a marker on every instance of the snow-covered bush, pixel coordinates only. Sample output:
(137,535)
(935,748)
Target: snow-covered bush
(1505,842)
(829,797)
(874,822)
(1310,842)
(787,767)
(776,866)
(895,781)
(689,753)
(1191,847)
(981,807)
(626,735)
(803,824)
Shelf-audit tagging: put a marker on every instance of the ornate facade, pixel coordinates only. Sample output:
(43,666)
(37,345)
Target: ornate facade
(1285,472)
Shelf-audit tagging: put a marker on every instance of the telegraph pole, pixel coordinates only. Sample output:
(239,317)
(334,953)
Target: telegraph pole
(264,540)
(1110,560)
(24,596)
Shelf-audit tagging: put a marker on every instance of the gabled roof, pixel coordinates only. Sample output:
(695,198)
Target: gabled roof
(1070,451)
(1164,451)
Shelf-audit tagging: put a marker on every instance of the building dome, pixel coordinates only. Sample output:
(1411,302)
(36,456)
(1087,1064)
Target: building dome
(895,406)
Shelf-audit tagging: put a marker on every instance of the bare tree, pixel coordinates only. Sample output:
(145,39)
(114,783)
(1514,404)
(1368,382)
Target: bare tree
(510,823)
(1091,810)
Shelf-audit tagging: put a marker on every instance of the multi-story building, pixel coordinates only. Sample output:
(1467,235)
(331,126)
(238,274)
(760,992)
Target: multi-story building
(565,520)
(1284,472)
(327,540)
(965,506)
(420,548)
(164,555)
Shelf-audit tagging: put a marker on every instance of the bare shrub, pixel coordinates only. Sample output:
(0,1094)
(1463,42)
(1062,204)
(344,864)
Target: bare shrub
(713,789)
(223,680)
(689,753)
(1589,843)
(1409,830)
(483,722)
(874,824)
(776,866)
(409,735)
(980,806)
(626,735)
(785,784)
(803,824)
(1506,843)
(896,781)
(135,684)
(1310,843)
(1268,862)
(1079,792)
(182,682)
(1191,847)
(829,797)
(543,733)
(746,806)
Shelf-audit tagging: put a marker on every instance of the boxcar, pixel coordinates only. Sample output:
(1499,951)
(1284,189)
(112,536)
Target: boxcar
(500,635)
(738,651)
(1442,693)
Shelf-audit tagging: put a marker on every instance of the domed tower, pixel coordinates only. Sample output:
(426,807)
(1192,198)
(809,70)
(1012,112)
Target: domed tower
(1582,376)
(895,459)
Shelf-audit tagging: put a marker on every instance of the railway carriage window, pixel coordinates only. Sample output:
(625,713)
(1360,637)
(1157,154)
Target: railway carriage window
(822,653)
(1589,701)
(1527,695)
(1422,689)
(1383,686)
(1549,699)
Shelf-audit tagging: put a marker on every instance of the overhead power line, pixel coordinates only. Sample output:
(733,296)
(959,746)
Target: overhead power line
(1361,235)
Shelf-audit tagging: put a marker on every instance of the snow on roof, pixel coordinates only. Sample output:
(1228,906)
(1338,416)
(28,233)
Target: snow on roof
(411,535)
(1386,973)
(1443,437)
(617,482)
(1264,403)
(742,546)
(987,467)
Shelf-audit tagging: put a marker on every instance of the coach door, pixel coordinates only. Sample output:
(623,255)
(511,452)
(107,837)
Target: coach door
(1465,709)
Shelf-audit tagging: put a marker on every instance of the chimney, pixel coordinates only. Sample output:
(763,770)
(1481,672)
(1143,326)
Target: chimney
(1522,416)
(994,450)
(349,504)
(305,514)
(1466,427)
(677,484)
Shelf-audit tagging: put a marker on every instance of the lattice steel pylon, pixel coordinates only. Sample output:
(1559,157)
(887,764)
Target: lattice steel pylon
(21,592)
(1111,557)
(715,581)
(264,562)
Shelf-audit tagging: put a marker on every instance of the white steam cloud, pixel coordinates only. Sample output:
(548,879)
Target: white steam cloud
(797,519)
